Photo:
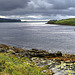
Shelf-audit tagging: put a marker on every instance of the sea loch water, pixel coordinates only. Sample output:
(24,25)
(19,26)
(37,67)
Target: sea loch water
(38,35)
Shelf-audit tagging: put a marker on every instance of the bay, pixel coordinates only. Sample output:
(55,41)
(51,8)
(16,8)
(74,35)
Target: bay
(39,35)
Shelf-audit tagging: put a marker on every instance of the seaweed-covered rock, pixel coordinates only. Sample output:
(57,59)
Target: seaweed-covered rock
(11,47)
(22,50)
(16,50)
(39,53)
(3,48)
(58,54)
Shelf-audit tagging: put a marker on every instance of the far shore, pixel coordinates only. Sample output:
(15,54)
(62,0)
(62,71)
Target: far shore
(67,22)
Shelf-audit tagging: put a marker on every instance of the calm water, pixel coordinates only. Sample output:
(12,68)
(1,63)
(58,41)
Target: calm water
(38,35)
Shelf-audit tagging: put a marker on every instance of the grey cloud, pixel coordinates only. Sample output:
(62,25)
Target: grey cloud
(37,7)
(52,4)
(62,4)
(7,5)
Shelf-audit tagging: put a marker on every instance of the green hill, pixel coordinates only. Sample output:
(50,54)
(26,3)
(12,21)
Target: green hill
(70,21)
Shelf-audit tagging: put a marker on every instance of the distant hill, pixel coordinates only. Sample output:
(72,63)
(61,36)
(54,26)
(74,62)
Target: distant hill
(9,20)
(70,21)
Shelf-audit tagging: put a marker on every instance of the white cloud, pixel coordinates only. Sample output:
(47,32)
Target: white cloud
(3,16)
(39,4)
(38,16)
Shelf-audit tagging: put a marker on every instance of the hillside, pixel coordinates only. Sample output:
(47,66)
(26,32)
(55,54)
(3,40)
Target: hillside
(70,21)
(9,20)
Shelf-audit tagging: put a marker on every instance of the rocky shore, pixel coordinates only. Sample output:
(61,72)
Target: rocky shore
(58,63)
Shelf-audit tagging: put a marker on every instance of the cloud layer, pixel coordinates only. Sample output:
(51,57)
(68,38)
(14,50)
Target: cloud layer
(45,8)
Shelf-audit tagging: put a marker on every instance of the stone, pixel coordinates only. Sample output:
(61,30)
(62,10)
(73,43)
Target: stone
(3,48)
(58,54)
(16,50)
(22,50)
(11,47)
(11,51)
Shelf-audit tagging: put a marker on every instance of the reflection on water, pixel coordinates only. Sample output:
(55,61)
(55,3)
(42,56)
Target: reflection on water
(39,35)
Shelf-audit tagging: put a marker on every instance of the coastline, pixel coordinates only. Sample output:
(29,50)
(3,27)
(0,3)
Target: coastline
(41,58)
(67,22)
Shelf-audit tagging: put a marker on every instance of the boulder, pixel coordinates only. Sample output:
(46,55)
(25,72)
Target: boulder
(11,51)
(40,53)
(3,48)
(11,47)
(58,54)
(37,53)
(16,50)
(22,50)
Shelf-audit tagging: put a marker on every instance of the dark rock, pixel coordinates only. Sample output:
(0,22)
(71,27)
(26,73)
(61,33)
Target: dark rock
(37,53)
(58,54)
(40,53)
(16,50)
(3,50)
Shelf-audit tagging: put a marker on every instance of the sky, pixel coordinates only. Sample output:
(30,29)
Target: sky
(37,9)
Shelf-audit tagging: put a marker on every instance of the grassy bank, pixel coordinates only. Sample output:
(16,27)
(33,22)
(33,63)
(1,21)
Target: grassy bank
(70,21)
(13,62)
(11,65)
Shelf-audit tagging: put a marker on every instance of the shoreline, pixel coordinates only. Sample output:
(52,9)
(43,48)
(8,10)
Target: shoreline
(60,24)
(67,22)
(35,52)
(54,63)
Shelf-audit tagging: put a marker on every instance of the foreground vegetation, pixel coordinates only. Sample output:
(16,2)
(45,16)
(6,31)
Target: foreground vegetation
(11,65)
(70,21)
(12,62)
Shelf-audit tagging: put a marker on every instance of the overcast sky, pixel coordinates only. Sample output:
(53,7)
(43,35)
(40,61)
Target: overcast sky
(37,9)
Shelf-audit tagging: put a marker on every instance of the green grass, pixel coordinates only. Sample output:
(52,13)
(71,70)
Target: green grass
(51,22)
(70,21)
(11,65)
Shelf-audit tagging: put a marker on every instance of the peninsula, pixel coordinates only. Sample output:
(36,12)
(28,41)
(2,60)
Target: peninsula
(70,22)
